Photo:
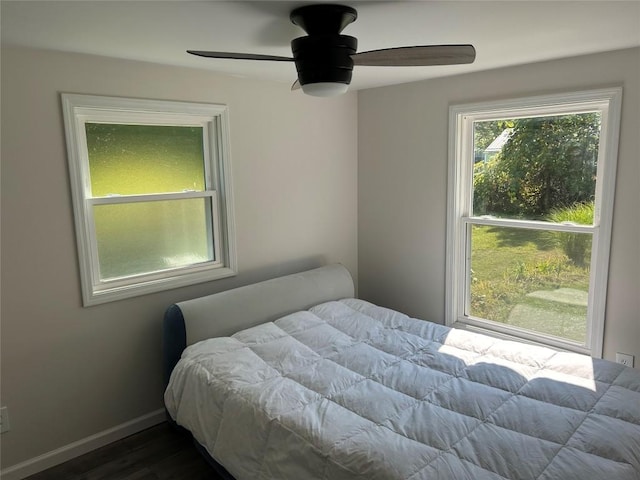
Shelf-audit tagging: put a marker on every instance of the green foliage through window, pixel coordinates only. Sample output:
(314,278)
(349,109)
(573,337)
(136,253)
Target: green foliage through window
(548,163)
(576,246)
(529,215)
(535,168)
(523,278)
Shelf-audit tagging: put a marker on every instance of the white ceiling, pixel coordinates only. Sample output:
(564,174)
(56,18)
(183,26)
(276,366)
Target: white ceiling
(503,32)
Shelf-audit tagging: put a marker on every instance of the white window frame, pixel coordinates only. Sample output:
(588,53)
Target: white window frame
(460,207)
(214,119)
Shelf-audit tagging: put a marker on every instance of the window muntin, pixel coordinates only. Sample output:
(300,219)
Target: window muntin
(152,194)
(512,256)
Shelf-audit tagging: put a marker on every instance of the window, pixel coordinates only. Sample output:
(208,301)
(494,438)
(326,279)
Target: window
(531,188)
(152,194)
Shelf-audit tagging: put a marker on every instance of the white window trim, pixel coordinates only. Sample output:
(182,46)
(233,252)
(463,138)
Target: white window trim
(460,172)
(78,109)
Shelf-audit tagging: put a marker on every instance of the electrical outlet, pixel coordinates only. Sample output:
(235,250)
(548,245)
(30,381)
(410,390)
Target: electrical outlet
(4,419)
(624,359)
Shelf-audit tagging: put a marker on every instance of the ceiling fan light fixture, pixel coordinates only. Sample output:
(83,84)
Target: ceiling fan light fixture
(325,89)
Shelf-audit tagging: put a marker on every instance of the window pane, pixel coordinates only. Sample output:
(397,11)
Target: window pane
(531,168)
(536,280)
(139,159)
(146,237)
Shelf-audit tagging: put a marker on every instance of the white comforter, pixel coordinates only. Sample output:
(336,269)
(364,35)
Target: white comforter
(350,390)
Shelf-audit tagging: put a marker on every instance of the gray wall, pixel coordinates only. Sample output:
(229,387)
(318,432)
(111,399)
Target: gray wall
(70,372)
(402,184)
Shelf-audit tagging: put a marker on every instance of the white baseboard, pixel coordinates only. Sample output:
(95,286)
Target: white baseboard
(75,449)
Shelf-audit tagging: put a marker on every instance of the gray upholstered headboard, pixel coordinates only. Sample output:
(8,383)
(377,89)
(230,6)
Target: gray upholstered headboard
(225,313)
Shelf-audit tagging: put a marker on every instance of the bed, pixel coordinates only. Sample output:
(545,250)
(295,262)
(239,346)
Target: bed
(294,378)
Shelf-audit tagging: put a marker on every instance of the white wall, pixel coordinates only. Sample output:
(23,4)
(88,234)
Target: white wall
(402,184)
(69,372)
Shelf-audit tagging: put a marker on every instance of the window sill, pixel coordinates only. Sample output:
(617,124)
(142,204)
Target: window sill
(115,293)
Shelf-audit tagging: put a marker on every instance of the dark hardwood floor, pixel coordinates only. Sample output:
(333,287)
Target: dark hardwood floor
(158,453)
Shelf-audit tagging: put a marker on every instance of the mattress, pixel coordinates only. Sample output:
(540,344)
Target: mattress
(351,390)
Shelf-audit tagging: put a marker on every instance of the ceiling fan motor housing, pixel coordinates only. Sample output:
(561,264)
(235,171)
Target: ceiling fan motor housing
(324,58)
(323,18)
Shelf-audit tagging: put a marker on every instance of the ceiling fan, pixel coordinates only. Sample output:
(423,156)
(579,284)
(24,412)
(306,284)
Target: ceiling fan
(325,59)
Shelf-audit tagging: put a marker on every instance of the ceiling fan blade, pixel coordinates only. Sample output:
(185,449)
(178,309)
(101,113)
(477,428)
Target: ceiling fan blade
(417,56)
(239,56)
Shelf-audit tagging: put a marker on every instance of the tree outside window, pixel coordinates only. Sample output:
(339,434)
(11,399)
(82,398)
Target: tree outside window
(529,216)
